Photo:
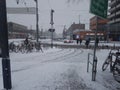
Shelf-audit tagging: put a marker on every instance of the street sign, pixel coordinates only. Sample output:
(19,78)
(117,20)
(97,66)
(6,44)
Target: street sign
(51,30)
(21,10)
(99,8)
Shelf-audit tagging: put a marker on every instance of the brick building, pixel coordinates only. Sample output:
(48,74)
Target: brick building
(74,28)
(102,24)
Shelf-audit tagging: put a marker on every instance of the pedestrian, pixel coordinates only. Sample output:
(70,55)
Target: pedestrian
(97,41)
(87,42)
(77,39)
(80,41)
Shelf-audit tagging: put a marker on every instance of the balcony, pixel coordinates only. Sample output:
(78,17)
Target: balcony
(118,6)
(112,3)
(111,16)
(118,13)
(117,20)
(112,9)
(111,22)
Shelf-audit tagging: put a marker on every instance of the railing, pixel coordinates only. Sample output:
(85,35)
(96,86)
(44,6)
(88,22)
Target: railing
(94,66)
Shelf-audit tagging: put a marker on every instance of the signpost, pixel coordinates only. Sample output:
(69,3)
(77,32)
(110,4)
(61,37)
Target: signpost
(4,46)
(98,8)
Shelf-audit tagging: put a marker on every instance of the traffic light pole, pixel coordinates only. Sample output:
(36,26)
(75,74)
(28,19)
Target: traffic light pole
(52,29)
(37,20)
(52,37)
(4,46)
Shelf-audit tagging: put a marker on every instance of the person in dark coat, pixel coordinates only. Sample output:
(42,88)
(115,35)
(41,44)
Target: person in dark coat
(80,41)
(97,41)
(87,42)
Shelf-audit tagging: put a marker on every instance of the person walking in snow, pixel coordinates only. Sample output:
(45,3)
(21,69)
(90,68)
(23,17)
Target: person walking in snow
(87,42)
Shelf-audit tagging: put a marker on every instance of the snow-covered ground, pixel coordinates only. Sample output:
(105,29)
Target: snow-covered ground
(61,42)
(58,69)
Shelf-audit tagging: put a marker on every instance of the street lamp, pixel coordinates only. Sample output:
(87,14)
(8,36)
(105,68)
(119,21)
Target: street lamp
(37,19)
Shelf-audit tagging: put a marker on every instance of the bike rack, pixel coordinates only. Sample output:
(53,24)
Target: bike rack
(94,66)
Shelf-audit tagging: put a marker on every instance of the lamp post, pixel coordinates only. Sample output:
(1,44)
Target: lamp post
(37,20)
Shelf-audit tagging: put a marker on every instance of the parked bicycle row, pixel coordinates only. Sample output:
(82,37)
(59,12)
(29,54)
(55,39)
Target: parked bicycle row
(24,47)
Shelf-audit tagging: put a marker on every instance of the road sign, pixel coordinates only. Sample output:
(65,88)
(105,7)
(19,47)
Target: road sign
(51,30)
(21,10)
(99,7)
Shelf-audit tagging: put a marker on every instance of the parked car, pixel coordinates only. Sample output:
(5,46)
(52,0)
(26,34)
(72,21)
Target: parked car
(68,41)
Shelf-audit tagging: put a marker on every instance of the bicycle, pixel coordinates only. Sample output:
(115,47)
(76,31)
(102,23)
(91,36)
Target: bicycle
(114,64)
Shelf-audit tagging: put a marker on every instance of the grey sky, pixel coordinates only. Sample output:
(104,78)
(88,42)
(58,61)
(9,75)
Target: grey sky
(66,12)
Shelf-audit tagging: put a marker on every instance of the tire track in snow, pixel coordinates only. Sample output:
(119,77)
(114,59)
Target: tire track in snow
(38,64)
(72,53)
(38,56)
(64,57)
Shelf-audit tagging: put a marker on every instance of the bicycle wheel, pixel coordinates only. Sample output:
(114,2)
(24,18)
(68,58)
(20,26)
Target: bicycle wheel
(116,73)
(105,64)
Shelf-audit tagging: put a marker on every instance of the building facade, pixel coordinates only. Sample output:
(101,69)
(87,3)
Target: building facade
(19,31)
(98,23)
(114,20)
(74,28)
(90,34)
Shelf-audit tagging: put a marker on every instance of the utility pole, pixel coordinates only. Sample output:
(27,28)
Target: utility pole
(37,20)
(52,29)
(6,68)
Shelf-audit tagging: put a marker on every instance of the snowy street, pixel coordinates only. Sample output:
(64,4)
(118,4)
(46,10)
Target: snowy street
(59,44)
(58,69)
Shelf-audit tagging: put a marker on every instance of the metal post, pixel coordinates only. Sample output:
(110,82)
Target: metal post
(108,32)
(37,20)
(51,39)
(94,53)
(52,29)
(88,63)
(4,45)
